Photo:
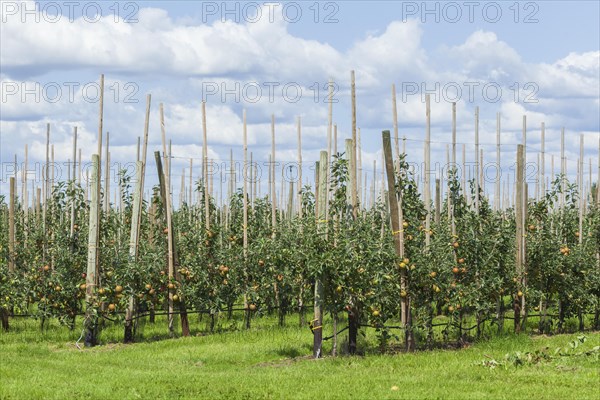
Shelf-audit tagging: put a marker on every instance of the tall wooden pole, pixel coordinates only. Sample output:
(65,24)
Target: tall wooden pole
(354,140)
(99,166)
(136,216)
(317,327)
(72,230)
(543,161)
(427,188)
(168,209)
(329,134)
(245,185)
(398,233)
(245,209)
(11,224)
(520,232)
(581,189)
(26,194)
(498,169)
(477,160)
(395,121)
(273,196)
(299,186)
(92,259)
(563,168)
(107,175)
(205,169)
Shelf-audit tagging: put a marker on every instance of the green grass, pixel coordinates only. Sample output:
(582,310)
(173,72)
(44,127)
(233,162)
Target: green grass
(268,362)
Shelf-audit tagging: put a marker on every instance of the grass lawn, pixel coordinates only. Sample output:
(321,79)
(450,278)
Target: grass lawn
(268,362)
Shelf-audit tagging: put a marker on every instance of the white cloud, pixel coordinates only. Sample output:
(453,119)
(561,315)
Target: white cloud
(172,60)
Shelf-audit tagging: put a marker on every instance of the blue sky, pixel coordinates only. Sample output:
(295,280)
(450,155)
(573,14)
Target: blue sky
(546,65)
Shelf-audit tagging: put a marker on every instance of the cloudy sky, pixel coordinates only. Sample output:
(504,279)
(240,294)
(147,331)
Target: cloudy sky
(539,59)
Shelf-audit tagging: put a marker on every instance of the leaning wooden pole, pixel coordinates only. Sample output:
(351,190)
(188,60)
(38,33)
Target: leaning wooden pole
(398,232)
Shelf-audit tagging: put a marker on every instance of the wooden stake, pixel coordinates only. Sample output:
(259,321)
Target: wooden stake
(520,232)
(398,233)
(427,188)
(136,216)
(168,210)
(395,121)
(92,259)
(11,224)
(205,169)
(245,185)
(317,327)
(581,187)
(107,176)
(273,197)
(354,140)
(72,231)
(299,132)
(477,160)
(563,168)
(543,161)
(498,169)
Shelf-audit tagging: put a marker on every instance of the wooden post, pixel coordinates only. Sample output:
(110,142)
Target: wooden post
(438,201)
(107,176)
(92,259)
(358,168)
(272,166)
(477,160)
(427,188)
(398,232)
(51,170)
(395,121)
(99,166)
(543,161)
(245,184)
(348,151)
(329,133)
(464,174)
(563,168)
(79,167)
(168,209)
(245,210)
(72,231)
(520,232)
(581,187)
(47,168)
(136,215)
(191,185)
(299,186)
(317,327)
(335,139)
(499,174)
(26,194)
(205,169)
(353,189)
(11,225)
